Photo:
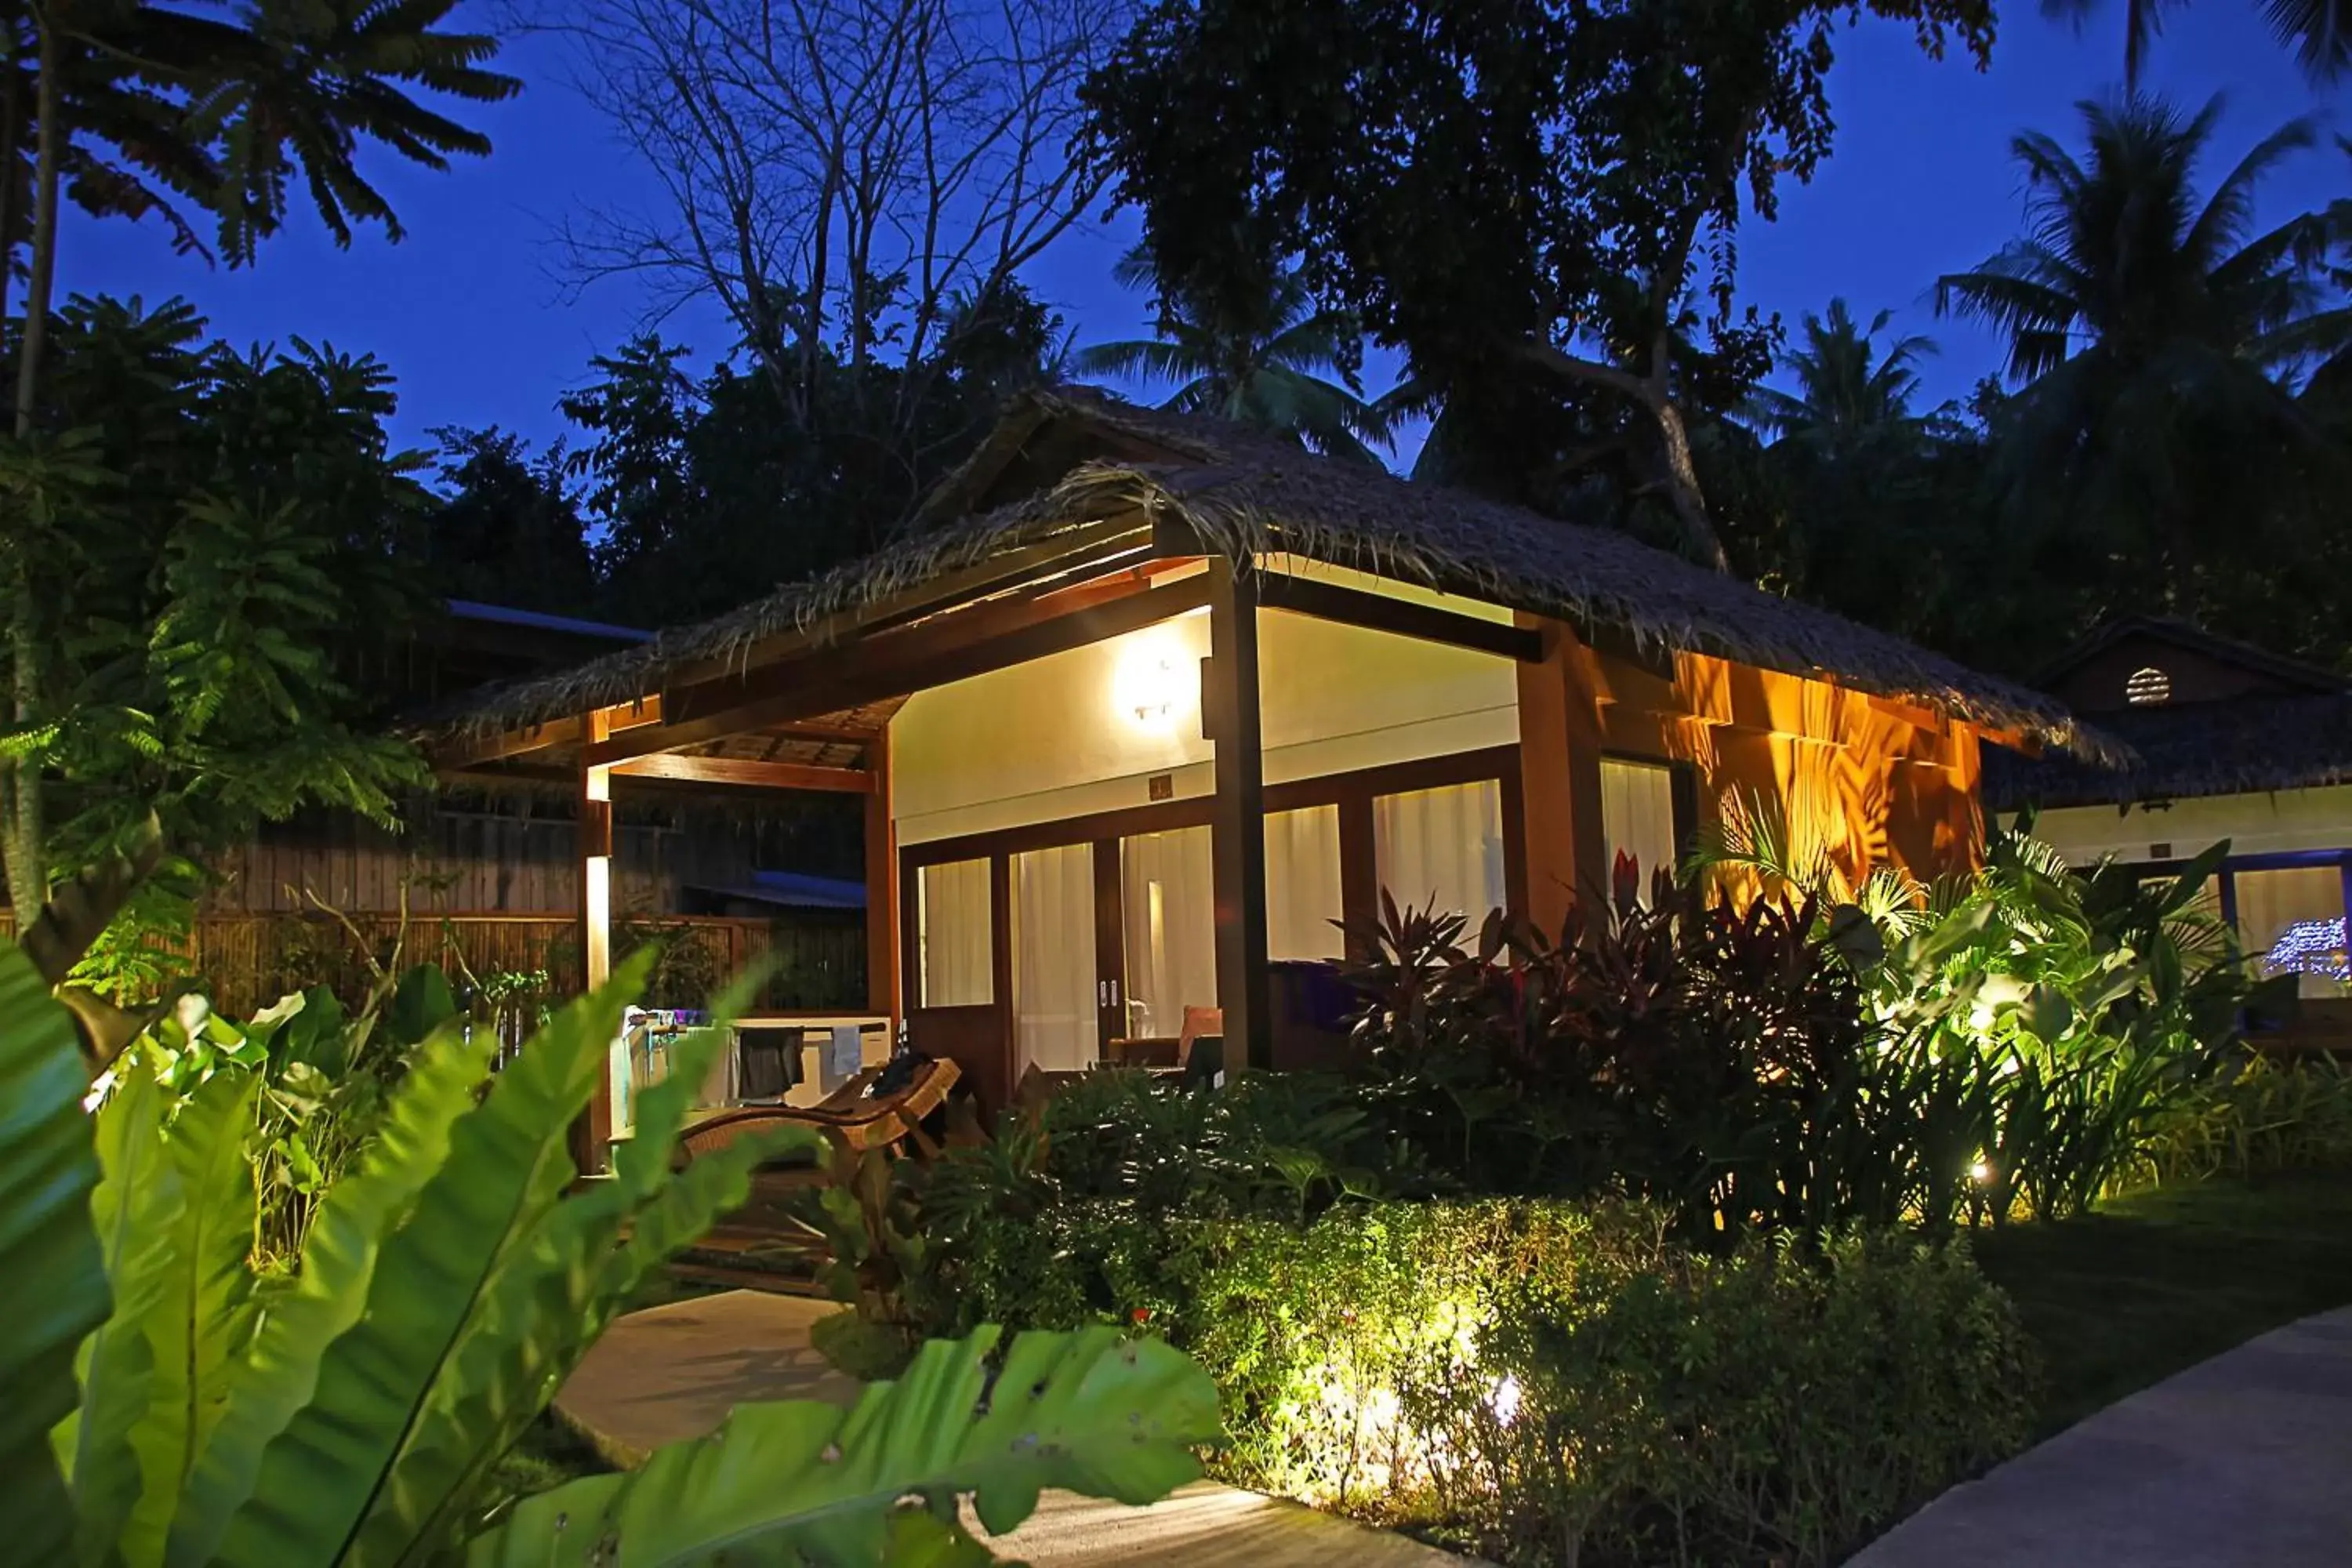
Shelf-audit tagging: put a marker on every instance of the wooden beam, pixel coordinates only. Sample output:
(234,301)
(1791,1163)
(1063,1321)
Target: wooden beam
(593,1139)
(1237,821)
(1561,740)
(744,771)
(881,887)
(972,642)
(472,751)
(1400,617)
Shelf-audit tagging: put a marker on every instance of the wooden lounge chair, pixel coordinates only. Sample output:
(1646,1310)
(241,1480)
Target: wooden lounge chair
(849,1117)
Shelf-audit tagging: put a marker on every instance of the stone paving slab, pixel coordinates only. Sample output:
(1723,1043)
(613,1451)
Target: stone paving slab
(673,1372)
(2242,1461)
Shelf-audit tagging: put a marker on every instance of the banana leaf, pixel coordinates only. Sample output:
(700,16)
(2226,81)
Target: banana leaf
(134,1209)
(507,1165)
(48,1252)
(811,1483)
(199,1328)
(339,1262)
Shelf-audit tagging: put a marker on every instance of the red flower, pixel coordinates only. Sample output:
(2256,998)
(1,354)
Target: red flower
(1142,1314)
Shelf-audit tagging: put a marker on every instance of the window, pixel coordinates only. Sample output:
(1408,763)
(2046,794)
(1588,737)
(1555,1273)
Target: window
(2291,920)
(954,935)
(1637,815)
(1168,904)
(1054,997)
(1302,883)
(2148,688)
(1442,848)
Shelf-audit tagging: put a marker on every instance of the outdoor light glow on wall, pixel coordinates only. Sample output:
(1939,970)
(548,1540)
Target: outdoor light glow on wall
(1147,687)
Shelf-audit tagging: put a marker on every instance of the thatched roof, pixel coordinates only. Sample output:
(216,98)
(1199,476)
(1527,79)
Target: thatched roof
(2247,745)
(1063,460)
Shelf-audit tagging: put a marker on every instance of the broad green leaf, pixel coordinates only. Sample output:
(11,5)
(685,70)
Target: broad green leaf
(200,1325)
(338,1263)
(48,1167)
(553,1299)
(1091,1412)
(134,1209)
(421,1003)
(507,1166)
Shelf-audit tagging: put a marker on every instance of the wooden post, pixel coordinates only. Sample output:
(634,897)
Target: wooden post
(1559,778)
(592,1139)
(1229,711)
(881,887)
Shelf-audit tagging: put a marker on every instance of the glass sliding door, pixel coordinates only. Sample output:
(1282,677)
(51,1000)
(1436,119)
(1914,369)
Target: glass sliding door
(1055,1001)
(1302,883)
(1168,909)
(955,944)
(1442,848)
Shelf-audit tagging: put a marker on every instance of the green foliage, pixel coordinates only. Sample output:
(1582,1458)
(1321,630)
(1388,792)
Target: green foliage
(200,580)
(2258,1116)
(1545,1382)
(1254,349)
(1089,1412)
(1572,308)
(448,1283)
(1078,1212)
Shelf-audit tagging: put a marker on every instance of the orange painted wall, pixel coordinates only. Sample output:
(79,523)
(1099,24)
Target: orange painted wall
(1870,780)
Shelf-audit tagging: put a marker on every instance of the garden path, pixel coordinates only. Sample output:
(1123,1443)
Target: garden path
(2242,1461)
(673,1372)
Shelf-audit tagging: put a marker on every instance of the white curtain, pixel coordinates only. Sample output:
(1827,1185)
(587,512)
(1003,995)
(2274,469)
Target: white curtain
(954,940)
(1168,895)
(1302,883)
(1637,815)
(1442,848)
(1053,1014)
(2269,902)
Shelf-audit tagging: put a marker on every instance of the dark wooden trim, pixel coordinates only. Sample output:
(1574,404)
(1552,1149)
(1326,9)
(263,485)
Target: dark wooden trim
(1359,876)
(1000,953)
(1400,617)
(972,642)
(1237,819)
(911,920)
(882,994)
(746,771)
(1110,944)
(1500,763)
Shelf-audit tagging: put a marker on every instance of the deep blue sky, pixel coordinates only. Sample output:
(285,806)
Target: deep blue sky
(470,315)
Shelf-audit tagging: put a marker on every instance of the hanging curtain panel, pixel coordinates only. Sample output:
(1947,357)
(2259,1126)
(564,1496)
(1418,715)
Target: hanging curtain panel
(953,935)
(1168,898)
(1637,815)
(1302,883)
(1054,1005)
(1442,848)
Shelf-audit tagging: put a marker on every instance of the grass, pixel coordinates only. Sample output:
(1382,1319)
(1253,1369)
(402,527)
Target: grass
(2161,1279)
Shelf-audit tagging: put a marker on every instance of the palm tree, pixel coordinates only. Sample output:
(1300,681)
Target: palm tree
(2154,334)
(131,108)
(2318,31)
(1255,349)
(1845,383)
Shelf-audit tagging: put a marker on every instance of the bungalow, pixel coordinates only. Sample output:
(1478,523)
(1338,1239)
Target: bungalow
(2230,742)
(1145,707)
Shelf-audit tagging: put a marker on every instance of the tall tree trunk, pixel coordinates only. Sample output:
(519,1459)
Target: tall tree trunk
(11,108)
(26,827)
(1649,392)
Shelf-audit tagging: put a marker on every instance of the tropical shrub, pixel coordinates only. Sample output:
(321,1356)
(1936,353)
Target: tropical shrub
(1546,1384)
(157,1412)
(2258,1115)
(1065,1217)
